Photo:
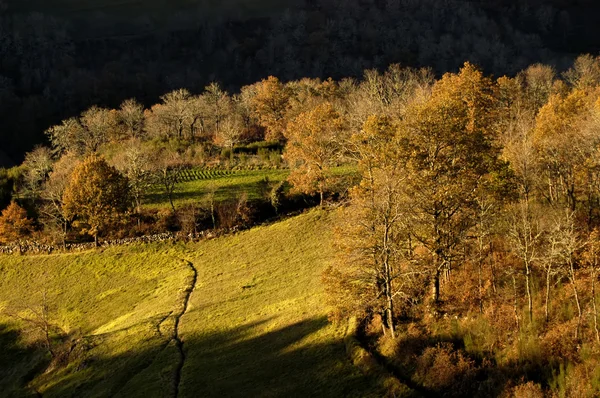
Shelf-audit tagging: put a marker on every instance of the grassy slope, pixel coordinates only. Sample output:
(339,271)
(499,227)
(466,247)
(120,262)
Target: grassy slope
(256,323)
(228,187)
(114,298)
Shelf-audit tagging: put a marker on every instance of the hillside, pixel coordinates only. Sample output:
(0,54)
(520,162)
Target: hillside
(107,18)
(254,321)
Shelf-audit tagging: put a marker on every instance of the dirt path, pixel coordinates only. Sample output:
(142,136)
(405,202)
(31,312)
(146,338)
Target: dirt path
(176,336)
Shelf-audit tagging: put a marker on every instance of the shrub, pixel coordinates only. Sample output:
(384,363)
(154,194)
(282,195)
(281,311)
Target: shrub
(446,371)
(528,390)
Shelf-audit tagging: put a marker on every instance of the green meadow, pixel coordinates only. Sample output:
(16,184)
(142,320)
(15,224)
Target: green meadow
(240,315)
(196,185)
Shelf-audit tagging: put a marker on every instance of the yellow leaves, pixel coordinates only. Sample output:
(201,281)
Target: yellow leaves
(313,144)
(561,116)
(96,193)
(270,104)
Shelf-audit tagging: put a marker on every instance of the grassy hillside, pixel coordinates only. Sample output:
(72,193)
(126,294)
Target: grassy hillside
(255,324)
(229,185)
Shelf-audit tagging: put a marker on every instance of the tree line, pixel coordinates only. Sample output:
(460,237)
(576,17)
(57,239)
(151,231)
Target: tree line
(50,72)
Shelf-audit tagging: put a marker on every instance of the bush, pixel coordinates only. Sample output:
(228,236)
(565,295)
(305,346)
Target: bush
(446,371)
(528,390)
(192,218)
(234,213)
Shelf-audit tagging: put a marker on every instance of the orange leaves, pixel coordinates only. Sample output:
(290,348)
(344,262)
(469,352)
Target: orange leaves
(313,145)
(270,104)
(96,195)
(14,223)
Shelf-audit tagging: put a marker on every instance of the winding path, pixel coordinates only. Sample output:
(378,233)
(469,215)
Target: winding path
(176,337)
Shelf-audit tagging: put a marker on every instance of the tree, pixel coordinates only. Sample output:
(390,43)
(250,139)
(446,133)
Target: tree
(36,168)
(167,167)
(66,136)
(525,235)
(313,146)
(99,127)
(218,103)
(135,162)
(14,224)
(230,132)
(585,72)
(372,268)
(173,117)
(568,244)
(52,210)
(269,105)
(97,196)
(130,116)
(451,137)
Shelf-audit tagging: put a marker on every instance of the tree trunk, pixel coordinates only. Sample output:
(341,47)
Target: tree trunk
(96,240)
(515,302)
(493,267)
(389,299)
(576,296)
(528,290)
(546,309)
(435,288)
(212,213)
(595,314)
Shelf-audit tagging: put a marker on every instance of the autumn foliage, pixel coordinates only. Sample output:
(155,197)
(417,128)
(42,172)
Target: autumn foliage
(14,223)
(97,196)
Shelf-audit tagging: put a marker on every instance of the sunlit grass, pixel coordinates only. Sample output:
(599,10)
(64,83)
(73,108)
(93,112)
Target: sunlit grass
(256,325)
(226,187)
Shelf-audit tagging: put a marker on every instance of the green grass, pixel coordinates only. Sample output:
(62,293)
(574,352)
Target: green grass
(256,323)
(229,185)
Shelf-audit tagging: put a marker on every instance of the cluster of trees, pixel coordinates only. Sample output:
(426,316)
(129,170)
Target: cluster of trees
(52,67)
(479,199)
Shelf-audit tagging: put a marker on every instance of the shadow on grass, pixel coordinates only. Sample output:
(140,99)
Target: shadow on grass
(18,363)
(235,362)
(441,367)
(230,191)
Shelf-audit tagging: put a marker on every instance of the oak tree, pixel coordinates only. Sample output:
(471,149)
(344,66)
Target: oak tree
(97,196)
(312,148)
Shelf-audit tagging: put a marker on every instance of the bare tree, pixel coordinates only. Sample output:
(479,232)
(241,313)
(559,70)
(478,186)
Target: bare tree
(131,118)
(135,163)
(37,167)
(52,212)
(568,243)
(525,235)
(167,168)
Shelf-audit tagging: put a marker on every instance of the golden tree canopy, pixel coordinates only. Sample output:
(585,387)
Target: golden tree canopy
(313,145)
(97,195)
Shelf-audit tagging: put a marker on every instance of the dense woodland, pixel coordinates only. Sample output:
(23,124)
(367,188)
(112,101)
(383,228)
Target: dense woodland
(53,66)
(469,250)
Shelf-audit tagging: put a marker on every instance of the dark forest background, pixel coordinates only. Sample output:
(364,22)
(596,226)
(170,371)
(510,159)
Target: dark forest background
(55,64)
